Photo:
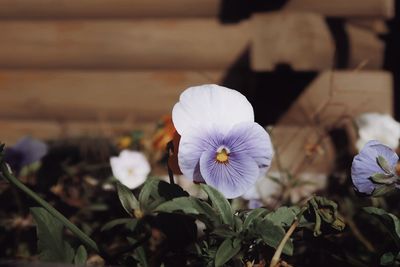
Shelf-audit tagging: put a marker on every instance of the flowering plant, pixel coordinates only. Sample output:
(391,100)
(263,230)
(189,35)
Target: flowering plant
(224,208)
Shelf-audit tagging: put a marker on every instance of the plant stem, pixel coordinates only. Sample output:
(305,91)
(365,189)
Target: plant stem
(5,173)
(277,256)
(170,148)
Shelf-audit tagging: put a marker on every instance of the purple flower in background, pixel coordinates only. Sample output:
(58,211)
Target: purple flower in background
(374,167)
(26,151)
(220,144)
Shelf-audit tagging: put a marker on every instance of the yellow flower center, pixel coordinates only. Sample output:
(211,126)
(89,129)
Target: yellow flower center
(222,156)
(130,171)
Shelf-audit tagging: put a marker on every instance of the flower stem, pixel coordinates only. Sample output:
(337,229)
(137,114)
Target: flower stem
(277,256)
(6,174)
(170,148)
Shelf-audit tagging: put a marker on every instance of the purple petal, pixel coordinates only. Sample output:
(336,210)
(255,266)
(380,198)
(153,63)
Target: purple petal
(191,146)
(252,139)
(365,165)
(25,152)
(254,204)
(233,178)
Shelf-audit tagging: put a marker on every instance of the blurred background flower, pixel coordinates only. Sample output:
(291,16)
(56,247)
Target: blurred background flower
(26,151)
(131,168)
(380,127)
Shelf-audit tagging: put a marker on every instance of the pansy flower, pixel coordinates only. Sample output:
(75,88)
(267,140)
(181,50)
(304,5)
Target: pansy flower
(220,143)
(374,169)
(25,152)
(131,168)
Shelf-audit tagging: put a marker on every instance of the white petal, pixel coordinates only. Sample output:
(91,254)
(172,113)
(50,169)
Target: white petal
(131,168)
(208,106)
(375,126)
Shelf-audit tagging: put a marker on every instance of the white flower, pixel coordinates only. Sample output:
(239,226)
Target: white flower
(130,168)
(380,127)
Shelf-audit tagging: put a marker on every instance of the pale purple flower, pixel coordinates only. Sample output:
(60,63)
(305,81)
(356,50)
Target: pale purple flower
(26,151)
(220,144)
(365,165)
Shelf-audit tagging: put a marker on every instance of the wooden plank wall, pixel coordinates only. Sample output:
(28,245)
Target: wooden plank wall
(71,67)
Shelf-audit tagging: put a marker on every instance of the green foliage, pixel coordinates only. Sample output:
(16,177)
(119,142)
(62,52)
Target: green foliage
(156,192)
(194,207)
(128,222)
(383,190)
(80,256)
(227,250)
(220,204)
(323,212)
(382,178)
(284,216)
(382,162)
(390,221)
(390,259)
(271,234)
(128,200)
(51,246)
(254,214)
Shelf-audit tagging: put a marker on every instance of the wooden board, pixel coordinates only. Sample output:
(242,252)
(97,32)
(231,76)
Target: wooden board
(177,8)
(140,44)
(345,8)
(336,97)
(13,130)
(142,96)
(301,149)
(367,50)
(302,41)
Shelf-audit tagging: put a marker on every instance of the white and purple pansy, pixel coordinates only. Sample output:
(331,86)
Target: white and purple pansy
(220,144)
(374,169)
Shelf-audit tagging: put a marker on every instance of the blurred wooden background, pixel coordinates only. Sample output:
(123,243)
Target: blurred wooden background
(73,67)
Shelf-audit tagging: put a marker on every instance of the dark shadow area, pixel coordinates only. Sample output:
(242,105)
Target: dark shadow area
(392,56)
(233,11)
(338,32)
(270,93)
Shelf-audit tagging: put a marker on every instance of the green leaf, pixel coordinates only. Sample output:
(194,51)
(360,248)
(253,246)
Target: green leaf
(220,204)
(272,235)
(390,221)
(227,250)
(283,216)
(139,253)
(140,256)
(113,223)
(128,200)
(382,162)
(80,256)
(223,231)
(131,225)
(388,259)
(255,213)
(382,190)
(382,178)
(192,206)
(156,192)
(51,245)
